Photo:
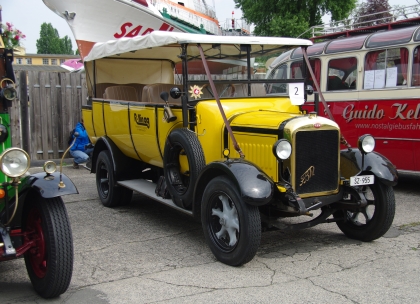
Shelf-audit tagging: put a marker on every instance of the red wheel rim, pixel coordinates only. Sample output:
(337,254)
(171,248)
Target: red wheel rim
(37,254)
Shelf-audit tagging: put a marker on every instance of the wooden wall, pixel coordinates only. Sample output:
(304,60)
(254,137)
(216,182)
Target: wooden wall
(42,124)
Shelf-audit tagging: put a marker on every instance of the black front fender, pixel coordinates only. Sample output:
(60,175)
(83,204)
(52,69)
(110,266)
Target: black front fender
(48,185)
(255,186)
(354,162)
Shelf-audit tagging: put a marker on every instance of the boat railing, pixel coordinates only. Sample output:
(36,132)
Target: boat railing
(199,6)
(358,22)
(203,7)
(236,27)
(187,16)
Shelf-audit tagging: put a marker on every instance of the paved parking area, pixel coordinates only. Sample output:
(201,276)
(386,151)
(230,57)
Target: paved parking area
(149,253)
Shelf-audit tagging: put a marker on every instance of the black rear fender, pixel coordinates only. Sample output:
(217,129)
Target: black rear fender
(124,167)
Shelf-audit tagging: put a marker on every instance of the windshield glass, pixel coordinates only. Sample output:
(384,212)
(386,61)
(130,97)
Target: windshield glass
(236,74)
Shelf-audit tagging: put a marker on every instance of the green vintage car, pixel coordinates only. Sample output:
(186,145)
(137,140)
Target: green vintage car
(33,218)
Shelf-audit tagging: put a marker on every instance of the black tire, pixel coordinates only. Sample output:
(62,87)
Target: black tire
(182,143)
(244,224)
(50,261)
(109,194)
(373,221)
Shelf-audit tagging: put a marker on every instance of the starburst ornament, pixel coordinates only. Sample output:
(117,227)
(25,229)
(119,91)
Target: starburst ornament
(196,91)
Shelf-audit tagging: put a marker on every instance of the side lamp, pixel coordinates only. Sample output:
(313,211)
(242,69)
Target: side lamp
(8,93)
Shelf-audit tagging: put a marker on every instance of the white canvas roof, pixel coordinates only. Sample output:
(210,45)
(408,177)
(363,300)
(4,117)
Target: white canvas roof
(160,44)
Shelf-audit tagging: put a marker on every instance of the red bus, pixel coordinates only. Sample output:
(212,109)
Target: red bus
(370,79)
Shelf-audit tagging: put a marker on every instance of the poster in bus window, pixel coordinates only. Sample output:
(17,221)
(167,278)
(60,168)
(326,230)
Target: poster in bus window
(391,77)
(369,79)
(379,79)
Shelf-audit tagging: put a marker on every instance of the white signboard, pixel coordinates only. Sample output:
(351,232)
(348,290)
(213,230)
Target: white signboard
(296,93)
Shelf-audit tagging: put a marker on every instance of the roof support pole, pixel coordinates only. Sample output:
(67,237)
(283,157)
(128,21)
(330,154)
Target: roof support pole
(219,104)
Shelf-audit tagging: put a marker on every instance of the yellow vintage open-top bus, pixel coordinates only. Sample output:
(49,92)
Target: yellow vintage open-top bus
(169,121)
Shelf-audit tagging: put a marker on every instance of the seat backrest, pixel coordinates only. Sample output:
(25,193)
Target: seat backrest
(139,88)
(151,93)
(241,90)
(121,93)
(100,88)
(228,91)
(334,83)
(258,89)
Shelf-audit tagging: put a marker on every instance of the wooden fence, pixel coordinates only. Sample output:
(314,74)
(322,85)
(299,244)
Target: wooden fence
(47,108)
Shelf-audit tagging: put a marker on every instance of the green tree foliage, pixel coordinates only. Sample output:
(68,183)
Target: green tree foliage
(290,18)
(67,47)
(49,41)
(373,12)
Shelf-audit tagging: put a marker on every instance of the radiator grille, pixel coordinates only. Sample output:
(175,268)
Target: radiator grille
(316,158)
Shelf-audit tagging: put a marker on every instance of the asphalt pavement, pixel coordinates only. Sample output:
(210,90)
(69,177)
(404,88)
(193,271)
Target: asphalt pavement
(148,253)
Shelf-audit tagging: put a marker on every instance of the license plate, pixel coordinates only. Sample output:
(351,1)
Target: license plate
(362,180)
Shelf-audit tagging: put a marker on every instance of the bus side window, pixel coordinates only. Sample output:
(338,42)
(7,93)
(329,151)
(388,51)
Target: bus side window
(415,82)
(296,71)
(342,74)
(278,73)
(386,68)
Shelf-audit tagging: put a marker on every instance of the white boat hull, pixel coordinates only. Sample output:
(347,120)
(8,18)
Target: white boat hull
(94,21)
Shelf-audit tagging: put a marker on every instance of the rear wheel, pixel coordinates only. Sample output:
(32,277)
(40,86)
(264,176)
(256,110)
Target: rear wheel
(49,261)
(231,227)
(109,194)
(372,221)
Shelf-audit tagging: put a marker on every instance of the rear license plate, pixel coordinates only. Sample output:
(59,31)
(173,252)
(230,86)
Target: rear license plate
(362,180)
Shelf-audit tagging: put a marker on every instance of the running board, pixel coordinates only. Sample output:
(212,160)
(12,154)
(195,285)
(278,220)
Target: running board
(148,189)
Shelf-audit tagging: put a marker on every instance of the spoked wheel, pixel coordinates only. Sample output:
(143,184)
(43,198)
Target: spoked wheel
(49,261)
(109,194)
(372,221)
(231,227)
(183,162)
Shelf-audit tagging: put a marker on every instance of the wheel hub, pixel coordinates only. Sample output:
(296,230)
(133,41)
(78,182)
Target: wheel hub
(228,219)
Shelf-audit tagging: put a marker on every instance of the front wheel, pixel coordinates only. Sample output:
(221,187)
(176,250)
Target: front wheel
(109,194)
(231,227)
(49,261)
(372,221)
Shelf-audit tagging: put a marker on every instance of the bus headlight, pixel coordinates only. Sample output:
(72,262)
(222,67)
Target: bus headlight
(282,149)
(366,143)
(14,162)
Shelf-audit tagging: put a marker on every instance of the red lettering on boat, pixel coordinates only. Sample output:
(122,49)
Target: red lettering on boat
(123,30)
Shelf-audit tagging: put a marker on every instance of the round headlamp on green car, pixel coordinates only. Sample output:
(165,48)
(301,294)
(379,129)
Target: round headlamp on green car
(50,167)
(4,134)
(14,162)
(366,143)
(282,149)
